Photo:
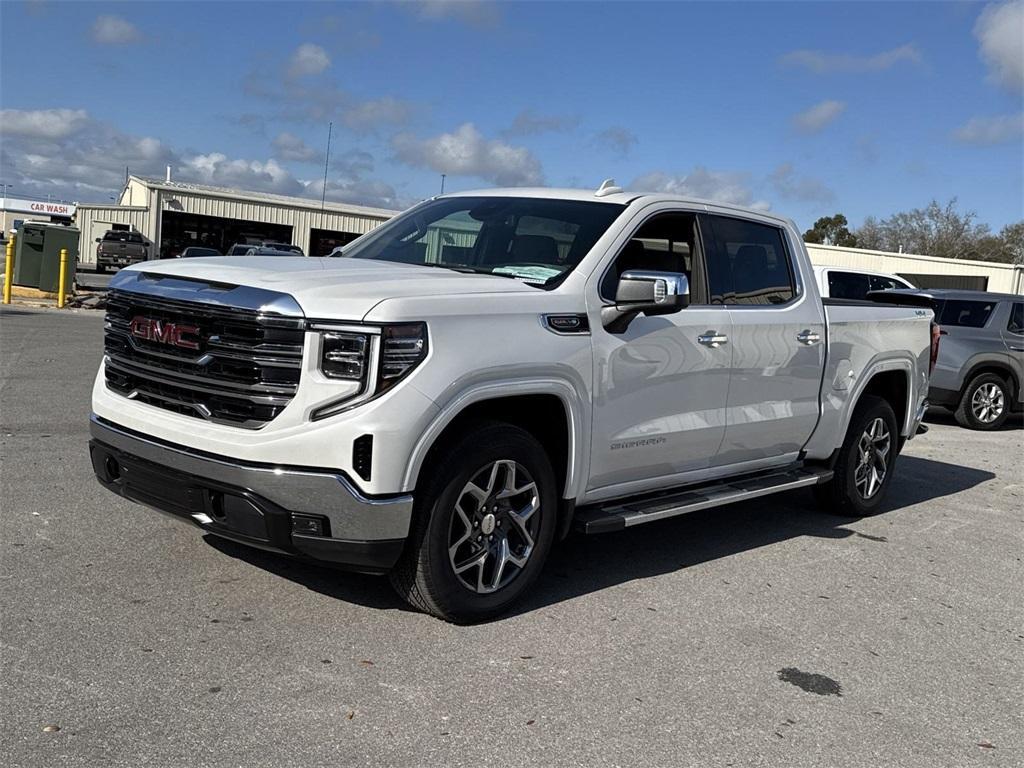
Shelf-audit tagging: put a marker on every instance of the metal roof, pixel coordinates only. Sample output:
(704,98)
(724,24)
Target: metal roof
(242,194)
(960,294)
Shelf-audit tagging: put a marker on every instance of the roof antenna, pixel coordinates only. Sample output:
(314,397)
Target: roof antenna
(607,188)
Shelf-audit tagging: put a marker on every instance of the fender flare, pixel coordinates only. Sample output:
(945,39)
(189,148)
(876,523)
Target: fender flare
(577,418)
(988,360)
(904,364)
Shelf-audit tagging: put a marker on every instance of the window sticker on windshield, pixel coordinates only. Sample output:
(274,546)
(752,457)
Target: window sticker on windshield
(533,272)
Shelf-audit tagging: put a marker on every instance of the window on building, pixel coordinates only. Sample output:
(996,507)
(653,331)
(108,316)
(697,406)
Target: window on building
(748,263)
(966,314)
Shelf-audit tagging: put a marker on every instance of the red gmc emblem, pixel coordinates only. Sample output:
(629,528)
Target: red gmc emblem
(164,332)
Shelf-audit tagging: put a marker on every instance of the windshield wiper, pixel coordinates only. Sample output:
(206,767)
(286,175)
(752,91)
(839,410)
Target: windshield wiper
(467,270)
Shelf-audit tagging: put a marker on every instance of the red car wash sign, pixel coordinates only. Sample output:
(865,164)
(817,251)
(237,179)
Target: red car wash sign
(40,207)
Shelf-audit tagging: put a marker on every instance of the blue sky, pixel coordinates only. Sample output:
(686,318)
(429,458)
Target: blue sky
(806,108)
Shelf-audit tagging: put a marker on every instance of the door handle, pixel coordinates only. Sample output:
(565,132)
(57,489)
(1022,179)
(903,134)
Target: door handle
(713,339)
(808,337)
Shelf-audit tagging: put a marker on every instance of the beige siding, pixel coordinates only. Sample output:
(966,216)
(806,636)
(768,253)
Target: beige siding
(94,220)
(1002,278)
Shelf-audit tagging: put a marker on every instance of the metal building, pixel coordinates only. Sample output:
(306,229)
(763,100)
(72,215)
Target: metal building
(173,215)
(925,271)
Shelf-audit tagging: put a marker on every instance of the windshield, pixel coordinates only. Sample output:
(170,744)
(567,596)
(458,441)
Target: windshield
(122,237)
(536,240)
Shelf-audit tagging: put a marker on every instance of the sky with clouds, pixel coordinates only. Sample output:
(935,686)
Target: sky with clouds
(804,108)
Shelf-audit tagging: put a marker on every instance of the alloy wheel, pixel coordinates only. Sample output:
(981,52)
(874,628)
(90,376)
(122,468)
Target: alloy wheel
(493,531)
(987,403)
(873,449)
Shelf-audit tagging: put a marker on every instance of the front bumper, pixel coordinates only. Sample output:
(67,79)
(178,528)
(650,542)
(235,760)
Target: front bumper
(254,504)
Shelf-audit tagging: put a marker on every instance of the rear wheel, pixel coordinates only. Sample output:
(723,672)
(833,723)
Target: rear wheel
(865,463)
(984,404)
(483,527)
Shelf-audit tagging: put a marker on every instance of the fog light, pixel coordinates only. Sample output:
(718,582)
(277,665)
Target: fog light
(112,468)
(310,525)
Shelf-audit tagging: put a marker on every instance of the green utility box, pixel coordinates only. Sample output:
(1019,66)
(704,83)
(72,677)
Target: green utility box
(37,255)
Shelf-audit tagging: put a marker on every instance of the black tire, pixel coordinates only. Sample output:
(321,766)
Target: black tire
(845,493)
(426,575)
(982,397)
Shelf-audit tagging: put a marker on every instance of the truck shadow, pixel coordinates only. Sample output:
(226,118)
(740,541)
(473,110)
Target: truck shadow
(584,564)
(940,416)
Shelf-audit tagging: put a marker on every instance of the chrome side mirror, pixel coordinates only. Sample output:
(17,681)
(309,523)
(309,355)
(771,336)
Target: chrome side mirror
(645,292)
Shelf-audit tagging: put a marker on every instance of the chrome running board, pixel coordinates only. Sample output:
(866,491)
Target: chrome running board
(623,513)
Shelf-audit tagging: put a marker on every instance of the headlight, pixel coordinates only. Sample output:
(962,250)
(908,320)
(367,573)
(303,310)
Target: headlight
(377,359)
(344,355)
(402,348)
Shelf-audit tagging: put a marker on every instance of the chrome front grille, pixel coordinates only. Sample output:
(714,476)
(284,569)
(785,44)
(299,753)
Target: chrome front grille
(205,359)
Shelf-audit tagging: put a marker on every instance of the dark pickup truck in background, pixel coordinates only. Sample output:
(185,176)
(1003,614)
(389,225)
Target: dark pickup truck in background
(119,248)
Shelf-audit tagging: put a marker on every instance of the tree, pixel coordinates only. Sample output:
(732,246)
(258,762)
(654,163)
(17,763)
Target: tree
(935,230)
(1013,240)
(870,235)
(831,230)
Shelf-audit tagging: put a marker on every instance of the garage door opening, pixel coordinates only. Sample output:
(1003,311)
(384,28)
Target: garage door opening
(178,231)
(323,241)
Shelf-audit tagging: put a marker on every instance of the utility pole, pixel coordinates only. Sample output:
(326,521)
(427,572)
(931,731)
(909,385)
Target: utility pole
(327,162)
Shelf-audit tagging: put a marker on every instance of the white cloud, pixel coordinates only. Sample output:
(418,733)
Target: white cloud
(822,62)
(42,123)
(68,153)
(530,123)
(352,163)
(308,59)
(114,30)
(820,115)
(289,147)
(1000,33)
(474,12)
(365,116)
(728,187)
(218,169)
(618,139)
(999,129)
(802,188)
(358,191)
(466,152)
(293,101)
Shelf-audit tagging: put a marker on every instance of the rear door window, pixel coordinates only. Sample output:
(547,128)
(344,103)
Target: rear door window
(847,285)
(748,264)
(966,314)
(1016,322)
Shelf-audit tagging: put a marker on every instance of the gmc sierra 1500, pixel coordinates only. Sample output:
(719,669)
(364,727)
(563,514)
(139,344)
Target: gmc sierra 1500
(488,370)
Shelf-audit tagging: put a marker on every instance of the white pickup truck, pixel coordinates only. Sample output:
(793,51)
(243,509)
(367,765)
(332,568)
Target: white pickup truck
(487,371)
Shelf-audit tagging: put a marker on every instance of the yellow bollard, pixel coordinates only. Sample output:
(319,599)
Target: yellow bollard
(9,271)
(61,289)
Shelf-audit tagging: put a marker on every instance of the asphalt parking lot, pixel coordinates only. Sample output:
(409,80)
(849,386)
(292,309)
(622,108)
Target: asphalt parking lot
(765,633)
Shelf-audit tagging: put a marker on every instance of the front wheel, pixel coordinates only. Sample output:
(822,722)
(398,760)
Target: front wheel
(864,467)
(984,403)
(483,526)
